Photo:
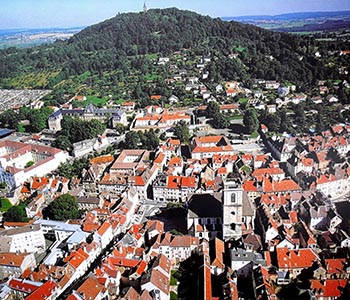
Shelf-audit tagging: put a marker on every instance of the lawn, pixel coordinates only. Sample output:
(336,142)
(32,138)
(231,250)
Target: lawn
(243,101)
(254,135)
(96,101)
(235,117)
(5,204)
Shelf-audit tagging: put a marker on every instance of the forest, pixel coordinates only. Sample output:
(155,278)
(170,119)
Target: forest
(108,46)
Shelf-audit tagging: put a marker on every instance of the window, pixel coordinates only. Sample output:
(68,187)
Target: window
(233,198)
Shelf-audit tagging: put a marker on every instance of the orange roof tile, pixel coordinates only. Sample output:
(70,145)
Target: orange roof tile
(329,288)
(44,291)
(295,259)
(103,229)
(336,266)
(12,259)
(91,288)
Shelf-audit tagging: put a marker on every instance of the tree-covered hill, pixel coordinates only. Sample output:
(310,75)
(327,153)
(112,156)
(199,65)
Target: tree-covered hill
(107,45)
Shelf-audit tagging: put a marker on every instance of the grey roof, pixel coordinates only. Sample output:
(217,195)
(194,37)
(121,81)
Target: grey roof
(248,206)
(57,225)
(118,114)
(19,230)
(89,109)
(77,237)
(88,200)
(4,132)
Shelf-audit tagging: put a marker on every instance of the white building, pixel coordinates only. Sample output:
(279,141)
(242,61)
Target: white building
(29,239)
(15,156)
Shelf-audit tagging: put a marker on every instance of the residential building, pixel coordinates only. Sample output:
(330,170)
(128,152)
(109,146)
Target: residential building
(27,239)
(113,115)
(15,156)
(14,264)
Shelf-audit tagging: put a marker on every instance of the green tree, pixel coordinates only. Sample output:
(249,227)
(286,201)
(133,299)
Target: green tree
(16,214)
(273,122)
(62,142)
(38,118)
(220,121)
(212,109)
(182,132)
(63,208)
(9,119)
(131,141)
(250,120)
(151,140)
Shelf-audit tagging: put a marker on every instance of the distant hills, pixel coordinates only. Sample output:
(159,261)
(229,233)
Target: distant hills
(293,16)
(33,37)
(113,45)
(299,22)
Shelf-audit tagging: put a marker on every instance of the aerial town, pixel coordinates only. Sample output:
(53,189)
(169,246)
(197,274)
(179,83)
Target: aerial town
(211,190)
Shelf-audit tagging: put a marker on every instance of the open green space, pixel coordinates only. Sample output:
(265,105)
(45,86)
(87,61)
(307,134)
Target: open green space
(5,204)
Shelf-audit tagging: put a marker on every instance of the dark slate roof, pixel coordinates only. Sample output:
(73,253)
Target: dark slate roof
(205,205)
(5,132)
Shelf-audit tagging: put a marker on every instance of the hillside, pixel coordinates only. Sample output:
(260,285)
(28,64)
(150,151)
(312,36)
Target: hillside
(108,45)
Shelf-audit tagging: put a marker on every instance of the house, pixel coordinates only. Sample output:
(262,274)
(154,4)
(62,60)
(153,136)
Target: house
(21,287)
(162,264)
(48,291)
(294,260)
(128,106)
(14,264)
(328,289)
(89,203)
(79,98)
(155,282)
(154,228)
(207,146)
(173,188)
(242,261)
(173,99)
(104,234)
(272,85)
(15,156)
(91,289)
(175,248)
(27,239)
(60,230)
(89,113)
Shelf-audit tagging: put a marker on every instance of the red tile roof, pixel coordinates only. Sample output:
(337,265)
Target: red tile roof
(336,266)
(76,258)
(176,182)
(12,259)
(44,291)
(22,285)
(103,229)
(329,288)
(295,259)
(91,289)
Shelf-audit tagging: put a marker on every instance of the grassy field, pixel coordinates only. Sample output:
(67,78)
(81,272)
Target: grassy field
(243,101)
(5,204)
(96,101)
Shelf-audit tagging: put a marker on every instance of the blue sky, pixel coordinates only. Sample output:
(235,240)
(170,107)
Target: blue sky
(69,13)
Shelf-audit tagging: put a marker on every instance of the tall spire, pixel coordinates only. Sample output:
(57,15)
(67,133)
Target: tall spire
(144,7)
